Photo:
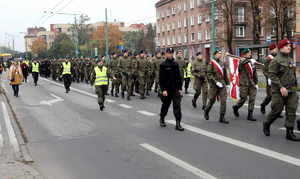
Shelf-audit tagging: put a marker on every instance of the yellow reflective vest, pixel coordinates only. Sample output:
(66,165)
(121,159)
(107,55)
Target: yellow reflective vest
(66,68)
(35,67)
(101,76)
(188,71)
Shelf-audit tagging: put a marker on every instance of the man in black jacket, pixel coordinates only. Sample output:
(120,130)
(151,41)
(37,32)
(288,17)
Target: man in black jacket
(171,87)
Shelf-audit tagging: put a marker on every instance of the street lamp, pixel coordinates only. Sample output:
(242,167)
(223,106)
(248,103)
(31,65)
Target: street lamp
(75,32)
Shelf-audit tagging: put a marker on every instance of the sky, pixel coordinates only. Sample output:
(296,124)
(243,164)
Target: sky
(17,15)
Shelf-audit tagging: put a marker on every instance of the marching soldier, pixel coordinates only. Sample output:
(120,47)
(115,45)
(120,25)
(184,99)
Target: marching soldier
(99,78)
(158,60)
(150,75)
(199,71)
(248,84)
(66,73)
(217,77)
(282,72)
(187,74)
(35,70)
(126,69)
(268,59)
(115,75)
(143,72)
(135,80)
(170,82)
(180,61)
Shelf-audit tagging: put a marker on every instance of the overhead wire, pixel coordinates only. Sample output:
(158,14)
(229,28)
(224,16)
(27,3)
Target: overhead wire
(53,8)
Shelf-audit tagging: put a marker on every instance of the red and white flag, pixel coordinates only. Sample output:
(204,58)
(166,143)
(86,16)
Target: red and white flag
(234,77)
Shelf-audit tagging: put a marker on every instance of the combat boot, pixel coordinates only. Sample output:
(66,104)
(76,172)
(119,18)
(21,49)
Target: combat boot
(222,119)
(206,114)
(178,126)
(298,125)
(116,95)
(162,122)
(236,111)
(112,93)
(147,93)
(128,98)
(266,128)
(290,135)
(263,109)
(123,95)
(194,103)
(250,116)
(142,97)
(203,107)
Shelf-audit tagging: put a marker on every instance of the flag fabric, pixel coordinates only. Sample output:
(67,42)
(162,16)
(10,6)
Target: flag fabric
(234,77)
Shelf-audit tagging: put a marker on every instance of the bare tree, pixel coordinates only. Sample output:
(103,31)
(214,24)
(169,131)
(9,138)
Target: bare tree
(282,17)
(256,18)
(226,7)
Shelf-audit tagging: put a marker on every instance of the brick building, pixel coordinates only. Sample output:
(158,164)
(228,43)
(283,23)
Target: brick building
(186,25)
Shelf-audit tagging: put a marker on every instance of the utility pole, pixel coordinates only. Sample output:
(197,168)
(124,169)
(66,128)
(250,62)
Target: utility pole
(106,36)
(76,37)
(213,26)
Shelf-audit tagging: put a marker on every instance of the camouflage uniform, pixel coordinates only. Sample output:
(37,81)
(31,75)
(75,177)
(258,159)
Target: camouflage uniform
(199,71)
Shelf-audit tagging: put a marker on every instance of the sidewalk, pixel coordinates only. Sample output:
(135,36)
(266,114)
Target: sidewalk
(10,168)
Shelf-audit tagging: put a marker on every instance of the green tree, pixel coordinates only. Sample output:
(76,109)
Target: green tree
(149,39)
(133,41)
(62,46)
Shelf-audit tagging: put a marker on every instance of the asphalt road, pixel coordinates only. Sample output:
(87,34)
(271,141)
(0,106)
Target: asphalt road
(69,138)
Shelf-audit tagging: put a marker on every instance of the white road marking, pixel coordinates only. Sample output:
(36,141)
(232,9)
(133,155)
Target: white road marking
(10,130)
(79,91)
(125,106)
(243,145)
(284,129)
(51,102)
(146,113)
(178,162)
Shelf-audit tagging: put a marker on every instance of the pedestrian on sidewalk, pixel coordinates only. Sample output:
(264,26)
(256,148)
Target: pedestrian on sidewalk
(16,77)
(170,82)
(99,78)
(25,70)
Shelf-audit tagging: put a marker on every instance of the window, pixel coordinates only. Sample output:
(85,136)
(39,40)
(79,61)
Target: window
(199,19)
(185,22)
(179,7)
(192,4)
(173,25)
(179,39)
(193,37)
(168,41)
(200,36)
(173,40)
(262,31)
(157,29)
(240,31)
(207,35)
(168,27)
(192,20)
(207,19)
(185,38)
(173,10)
(184,6)
(157,15)
(198,3)
(240,14)
(179,24)
(163,42)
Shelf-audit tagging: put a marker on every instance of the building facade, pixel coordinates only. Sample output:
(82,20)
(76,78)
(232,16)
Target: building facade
(187,24)
(31,36)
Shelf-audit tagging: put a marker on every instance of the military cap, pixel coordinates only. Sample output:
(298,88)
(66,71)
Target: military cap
(283,43)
